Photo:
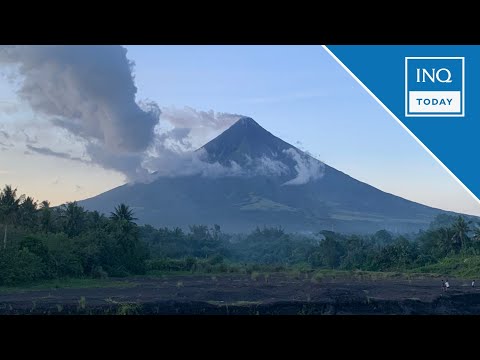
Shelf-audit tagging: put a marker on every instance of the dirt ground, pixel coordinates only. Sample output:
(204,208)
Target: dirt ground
(244,294)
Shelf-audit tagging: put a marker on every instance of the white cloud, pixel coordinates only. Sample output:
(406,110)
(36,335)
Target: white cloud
(307,168)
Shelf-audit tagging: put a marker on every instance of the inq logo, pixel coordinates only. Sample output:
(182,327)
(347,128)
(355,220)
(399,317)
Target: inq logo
(434,86)
(435,75)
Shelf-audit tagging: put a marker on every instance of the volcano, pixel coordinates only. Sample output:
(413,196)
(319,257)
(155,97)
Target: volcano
(276,185)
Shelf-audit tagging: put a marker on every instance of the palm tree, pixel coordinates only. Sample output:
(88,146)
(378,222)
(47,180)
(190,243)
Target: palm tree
(476,234)
(28,210)
(476,239)
(96,219)
(45,216)
(460,228)
(9,206)
(74,216)
(123,213)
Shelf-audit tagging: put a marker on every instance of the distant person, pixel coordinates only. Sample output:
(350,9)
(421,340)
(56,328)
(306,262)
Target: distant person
(447,285)
(443,285)
(473,283)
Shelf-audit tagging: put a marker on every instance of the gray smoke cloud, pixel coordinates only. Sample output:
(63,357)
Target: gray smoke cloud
(89,93)
(188,117)
(50,152)
(170,163)
(89,90)
(30,139)
(8,108)
(129,164)
(190,163)
(202,126)
(4,141)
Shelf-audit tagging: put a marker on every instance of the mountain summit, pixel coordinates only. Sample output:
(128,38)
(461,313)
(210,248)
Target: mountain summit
(257,152)
(279,185)
(243,140)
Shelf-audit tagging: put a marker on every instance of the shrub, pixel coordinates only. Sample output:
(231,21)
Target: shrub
(22,266)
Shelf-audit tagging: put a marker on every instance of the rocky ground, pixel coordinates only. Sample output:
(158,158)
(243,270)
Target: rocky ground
(256,294)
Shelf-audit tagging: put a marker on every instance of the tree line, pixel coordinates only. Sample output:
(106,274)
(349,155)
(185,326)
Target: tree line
(45,242)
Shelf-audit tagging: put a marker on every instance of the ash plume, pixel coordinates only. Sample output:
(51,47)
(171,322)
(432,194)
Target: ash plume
(202,126)
(89,90)
(89,93)
(50,152)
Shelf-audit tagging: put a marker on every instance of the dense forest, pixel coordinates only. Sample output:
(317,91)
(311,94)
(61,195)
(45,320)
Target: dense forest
(43,242)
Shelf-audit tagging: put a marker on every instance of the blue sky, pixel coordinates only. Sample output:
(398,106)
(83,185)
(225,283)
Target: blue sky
(299,93)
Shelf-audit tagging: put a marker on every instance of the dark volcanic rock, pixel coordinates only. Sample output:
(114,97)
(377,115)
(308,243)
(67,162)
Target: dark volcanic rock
(241,295)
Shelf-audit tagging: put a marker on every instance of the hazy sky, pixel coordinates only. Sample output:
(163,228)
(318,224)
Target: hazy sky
(299,93)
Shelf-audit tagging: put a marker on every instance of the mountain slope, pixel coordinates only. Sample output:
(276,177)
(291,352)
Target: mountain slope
(280,185)
(245,138)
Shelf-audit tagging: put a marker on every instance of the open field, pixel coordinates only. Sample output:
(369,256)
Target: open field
(254,294)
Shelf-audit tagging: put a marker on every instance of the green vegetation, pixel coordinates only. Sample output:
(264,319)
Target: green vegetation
(58,246)
(42,243)
(459,266)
